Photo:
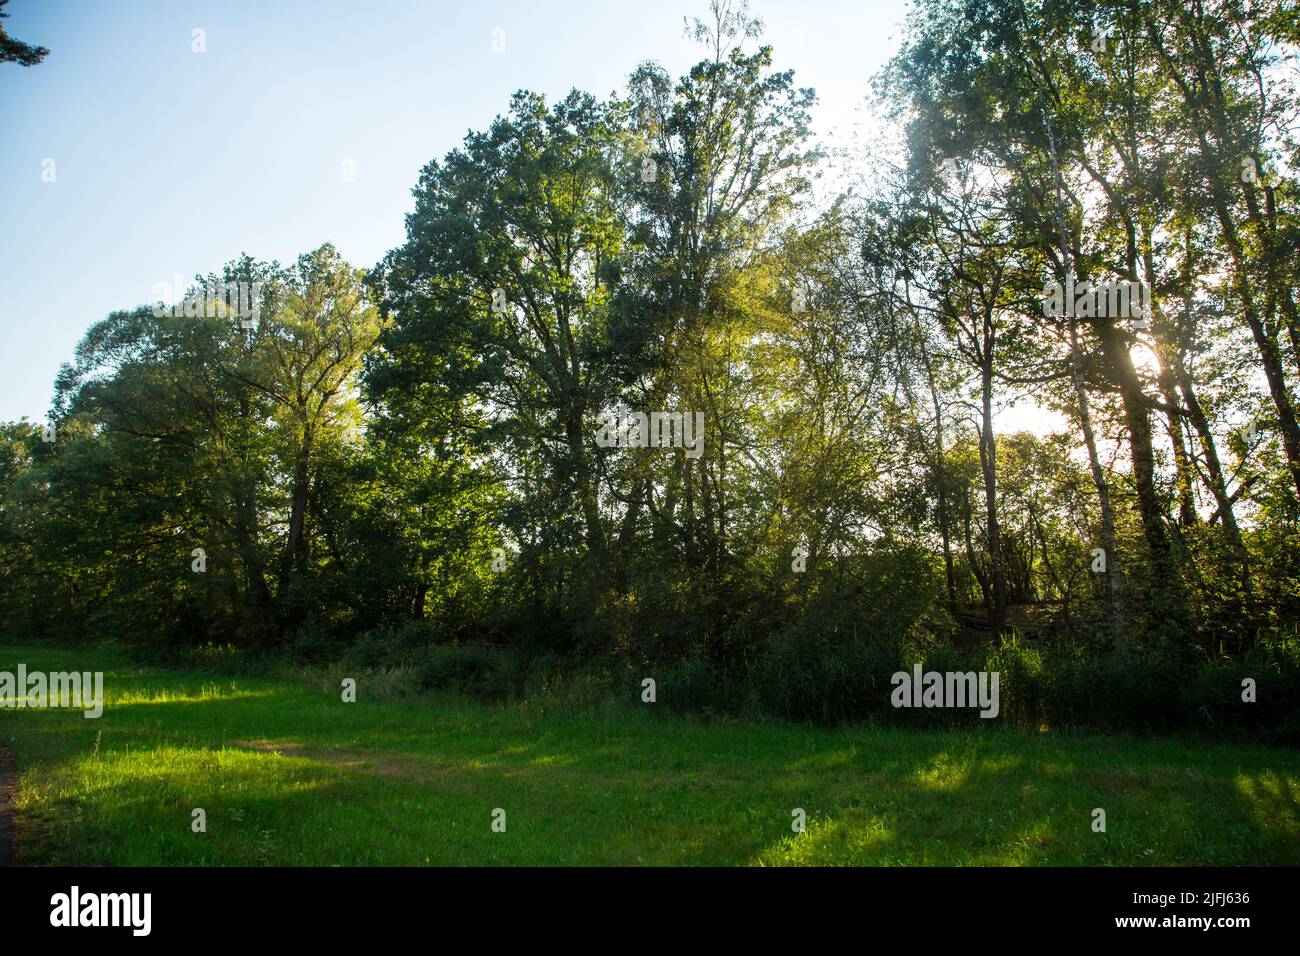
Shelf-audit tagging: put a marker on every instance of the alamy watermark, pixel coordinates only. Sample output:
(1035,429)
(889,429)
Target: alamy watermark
(656,430)
(243,299)
(39,690)
(1119,299)
(946,689)
(133,911)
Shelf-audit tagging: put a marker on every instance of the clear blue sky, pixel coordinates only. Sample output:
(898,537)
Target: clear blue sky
(173,162)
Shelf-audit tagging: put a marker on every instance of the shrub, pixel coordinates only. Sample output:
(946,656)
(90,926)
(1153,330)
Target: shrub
(313,644)
(475,670)
(391,645)
(804,677)
(697,684)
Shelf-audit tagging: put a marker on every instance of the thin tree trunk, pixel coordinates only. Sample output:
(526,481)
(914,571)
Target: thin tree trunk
(988,465)
(1114,597)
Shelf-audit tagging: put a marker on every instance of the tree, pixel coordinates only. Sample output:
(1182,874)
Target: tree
(13,50)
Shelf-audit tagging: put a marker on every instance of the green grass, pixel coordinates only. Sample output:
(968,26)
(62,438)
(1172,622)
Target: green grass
(289,774)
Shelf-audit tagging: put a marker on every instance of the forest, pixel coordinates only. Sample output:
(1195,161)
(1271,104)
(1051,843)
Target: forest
(660,385)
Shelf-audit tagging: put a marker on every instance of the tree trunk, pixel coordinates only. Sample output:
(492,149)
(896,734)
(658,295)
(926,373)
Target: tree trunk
(988,465)
(1114,600)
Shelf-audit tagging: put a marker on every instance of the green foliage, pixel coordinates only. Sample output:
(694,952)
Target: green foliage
(393,645)
(14,50)
(487,673)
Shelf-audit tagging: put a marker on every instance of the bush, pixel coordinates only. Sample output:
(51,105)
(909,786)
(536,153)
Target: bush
(391,645)
(487,673)
(696,684)
(804,677)
(1023,681)
(313,644)
(1210,698)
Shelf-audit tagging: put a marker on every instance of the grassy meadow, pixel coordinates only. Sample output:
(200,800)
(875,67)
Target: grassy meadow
(288,774)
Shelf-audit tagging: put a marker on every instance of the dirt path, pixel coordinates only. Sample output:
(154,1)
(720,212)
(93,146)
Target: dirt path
(8,790)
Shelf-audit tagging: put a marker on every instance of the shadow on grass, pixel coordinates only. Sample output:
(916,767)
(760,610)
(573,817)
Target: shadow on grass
(288,776)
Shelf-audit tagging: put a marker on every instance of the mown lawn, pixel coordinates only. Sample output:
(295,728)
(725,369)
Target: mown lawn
(289,774)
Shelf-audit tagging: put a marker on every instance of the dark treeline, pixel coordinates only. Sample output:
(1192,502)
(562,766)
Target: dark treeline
(414,466)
